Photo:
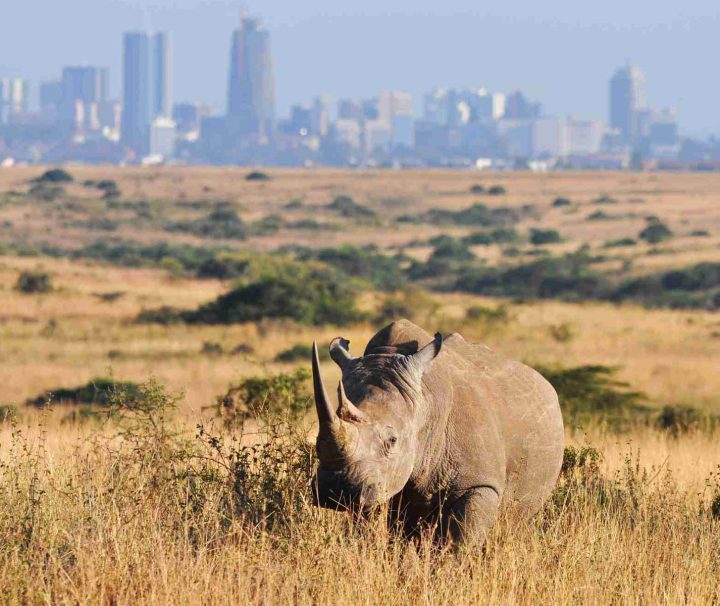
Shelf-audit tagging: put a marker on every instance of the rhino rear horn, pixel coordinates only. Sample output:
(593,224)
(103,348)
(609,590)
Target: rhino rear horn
(339,351)
(424,357)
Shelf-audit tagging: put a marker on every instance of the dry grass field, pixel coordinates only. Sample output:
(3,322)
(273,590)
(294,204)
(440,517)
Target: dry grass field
(140,509)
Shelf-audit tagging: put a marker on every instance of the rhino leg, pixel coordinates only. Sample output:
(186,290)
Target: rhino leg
(468,520)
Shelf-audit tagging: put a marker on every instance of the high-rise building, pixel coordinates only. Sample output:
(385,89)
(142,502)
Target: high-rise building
(161,75)
(519,107)
(50,98)
(251,87)
(14,97)
(147,86)
(627,99)
(83,90)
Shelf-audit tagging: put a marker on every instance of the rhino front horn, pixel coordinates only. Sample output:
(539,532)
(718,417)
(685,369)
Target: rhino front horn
(326,414)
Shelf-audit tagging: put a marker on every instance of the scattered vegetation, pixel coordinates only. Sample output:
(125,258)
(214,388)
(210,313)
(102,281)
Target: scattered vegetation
(34,282)
(257,176)
(99,391)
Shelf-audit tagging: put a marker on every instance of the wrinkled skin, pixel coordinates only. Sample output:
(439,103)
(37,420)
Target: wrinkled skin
(448,432)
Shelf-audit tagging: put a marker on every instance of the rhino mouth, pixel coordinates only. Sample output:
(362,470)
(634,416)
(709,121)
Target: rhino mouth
(332,490)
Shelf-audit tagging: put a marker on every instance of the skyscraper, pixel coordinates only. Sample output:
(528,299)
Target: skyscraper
(627,99)
(83,90)
(161,75)
(251,87)
(147,86)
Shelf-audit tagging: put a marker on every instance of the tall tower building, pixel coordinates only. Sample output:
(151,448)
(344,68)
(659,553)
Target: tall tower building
(83,91)
(251,87)
(161,75)
(147,86)
(627,100)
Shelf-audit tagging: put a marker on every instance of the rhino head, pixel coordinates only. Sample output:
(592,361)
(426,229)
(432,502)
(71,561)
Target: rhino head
(367,444)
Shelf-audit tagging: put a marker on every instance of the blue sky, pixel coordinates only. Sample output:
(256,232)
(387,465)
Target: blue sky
(559,51)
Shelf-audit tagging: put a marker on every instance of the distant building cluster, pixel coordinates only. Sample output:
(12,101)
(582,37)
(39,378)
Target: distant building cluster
(76,118)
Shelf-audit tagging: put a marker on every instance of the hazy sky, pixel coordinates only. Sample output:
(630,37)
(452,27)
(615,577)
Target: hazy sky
(559,51)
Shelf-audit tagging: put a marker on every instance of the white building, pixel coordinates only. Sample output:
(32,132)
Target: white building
(348,131)
(162,138)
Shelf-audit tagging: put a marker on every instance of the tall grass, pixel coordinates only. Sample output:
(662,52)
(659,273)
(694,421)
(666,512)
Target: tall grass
(137,510)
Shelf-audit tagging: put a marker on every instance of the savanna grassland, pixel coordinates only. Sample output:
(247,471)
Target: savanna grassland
(155,421)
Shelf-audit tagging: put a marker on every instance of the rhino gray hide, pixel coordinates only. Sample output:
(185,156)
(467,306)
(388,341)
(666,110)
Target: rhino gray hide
(448,431)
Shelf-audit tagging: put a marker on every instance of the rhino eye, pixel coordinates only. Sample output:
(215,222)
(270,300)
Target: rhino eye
(390,442)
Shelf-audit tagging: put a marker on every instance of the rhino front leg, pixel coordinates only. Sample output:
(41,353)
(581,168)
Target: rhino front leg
(468,520)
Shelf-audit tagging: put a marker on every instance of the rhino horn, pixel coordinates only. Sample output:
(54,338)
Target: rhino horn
(347,411)
(339,351)
(326,414)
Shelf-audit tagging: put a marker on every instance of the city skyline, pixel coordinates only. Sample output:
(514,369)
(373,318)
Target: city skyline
(531,56)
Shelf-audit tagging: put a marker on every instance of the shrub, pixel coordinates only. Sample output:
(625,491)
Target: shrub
(32,282)
(605,199)
(539,237)
(211,348)
(257,176)
(266,397)
(487,316)
(54,175)
(382,271)
(345,206)
(308,295)
(477,189)
(220,223)
(683,419)
(560,202)
(590,391)
(294,204)
(619,243)
(655,232)
(496,190)
(46,192)
(100,391)
(477,214)
(700,233)
(300,352)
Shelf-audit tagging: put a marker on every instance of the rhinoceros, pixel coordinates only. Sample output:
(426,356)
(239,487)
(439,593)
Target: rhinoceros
(447,431)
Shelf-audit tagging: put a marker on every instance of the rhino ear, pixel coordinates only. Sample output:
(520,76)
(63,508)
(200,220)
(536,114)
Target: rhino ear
(424,357)
(339,351)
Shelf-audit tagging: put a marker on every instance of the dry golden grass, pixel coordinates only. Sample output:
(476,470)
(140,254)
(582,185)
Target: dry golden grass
(89,520)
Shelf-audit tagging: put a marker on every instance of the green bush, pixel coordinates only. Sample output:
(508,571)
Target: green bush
(477,189)
(477,215)
(300,353)
(257,176)
(306,294)
(590,392)
(496,190)
(54,175)
(539,237)
(32,282)
(46,192)
(655,232)
(382,271)
(266,397)
(222,223)
(560,202)
(619,243)
(99,391)
(345,206)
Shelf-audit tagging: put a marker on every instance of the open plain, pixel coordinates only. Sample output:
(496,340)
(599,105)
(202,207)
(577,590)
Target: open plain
(169,487)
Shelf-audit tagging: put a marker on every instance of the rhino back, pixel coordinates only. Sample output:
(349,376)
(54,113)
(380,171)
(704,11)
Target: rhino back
(505,421)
